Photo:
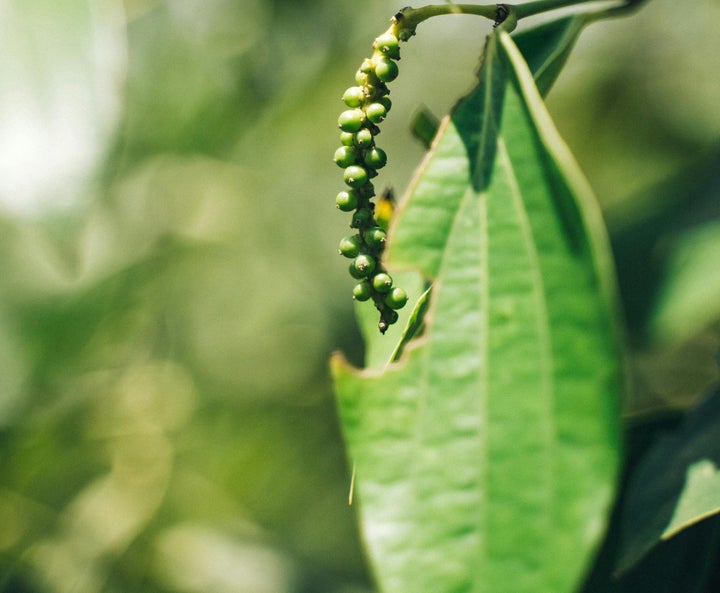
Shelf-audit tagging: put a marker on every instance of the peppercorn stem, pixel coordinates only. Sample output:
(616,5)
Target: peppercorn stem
(406,21)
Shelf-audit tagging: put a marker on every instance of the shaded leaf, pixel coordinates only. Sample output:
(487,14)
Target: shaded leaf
(547,47)
(690,297)
(676,485)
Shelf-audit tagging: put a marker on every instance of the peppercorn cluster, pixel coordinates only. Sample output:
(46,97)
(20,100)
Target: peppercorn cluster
(367,105)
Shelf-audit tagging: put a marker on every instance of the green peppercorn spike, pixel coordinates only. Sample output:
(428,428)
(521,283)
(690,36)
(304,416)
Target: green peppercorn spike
(368,105)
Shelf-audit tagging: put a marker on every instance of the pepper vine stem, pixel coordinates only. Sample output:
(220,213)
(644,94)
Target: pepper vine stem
(406,21)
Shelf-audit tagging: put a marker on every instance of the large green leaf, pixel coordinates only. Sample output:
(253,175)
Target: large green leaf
(486,456)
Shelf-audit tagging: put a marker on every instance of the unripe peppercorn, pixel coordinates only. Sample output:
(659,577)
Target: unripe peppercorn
(354,96)
(382,282)
(375,237)
(375,158)
(386,70)
(386,102)
(366,66)
(364,264)
(375,112)
(347,138)
(362,291)
(387,44)
(363,138)
(361,218)
(355,176)
(351,120)
(350,246)
(345,156)
(354,272)
(396,298)
(347,201)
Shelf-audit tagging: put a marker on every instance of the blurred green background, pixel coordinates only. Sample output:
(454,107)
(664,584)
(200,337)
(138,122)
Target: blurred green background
(170,290)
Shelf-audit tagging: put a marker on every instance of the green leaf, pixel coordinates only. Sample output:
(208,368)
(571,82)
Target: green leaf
(690,297)
(676,485)
(547,47)
(489,451)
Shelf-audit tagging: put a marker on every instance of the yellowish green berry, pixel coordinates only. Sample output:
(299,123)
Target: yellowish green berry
(354,96)
(351,120)
(375,112)
(345,156)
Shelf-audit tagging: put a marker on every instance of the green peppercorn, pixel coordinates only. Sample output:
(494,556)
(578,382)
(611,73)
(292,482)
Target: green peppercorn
(385,69)
(361,219)
(355,176)
(345,156)
(386,102)
(382,282)
(354,96)
(375,238)
(354,272)
(350,246)
(375,112)
(363,138)
(351,120)
(361,78)
(387,44)
(347,201)
(366,66)
(347,138)
(375,158)
(364,264)
(362,291)
(396,298)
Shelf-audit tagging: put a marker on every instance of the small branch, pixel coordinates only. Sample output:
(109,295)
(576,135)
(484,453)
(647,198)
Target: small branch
(406,21)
